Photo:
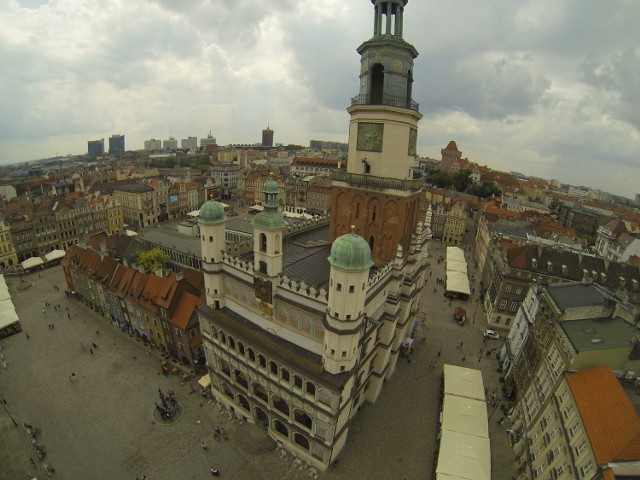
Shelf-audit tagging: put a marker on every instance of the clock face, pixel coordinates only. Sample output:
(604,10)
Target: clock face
(413,141)
(370,137)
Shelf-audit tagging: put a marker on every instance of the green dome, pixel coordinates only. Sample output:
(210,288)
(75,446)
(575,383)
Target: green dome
(212,213)
(351,252)
(270,186)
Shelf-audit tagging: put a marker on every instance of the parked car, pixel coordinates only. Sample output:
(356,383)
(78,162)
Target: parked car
(491,334)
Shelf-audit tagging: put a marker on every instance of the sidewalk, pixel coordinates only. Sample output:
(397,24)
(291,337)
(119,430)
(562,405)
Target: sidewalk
(16,452)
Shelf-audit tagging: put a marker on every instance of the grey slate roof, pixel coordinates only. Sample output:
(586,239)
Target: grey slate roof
(598,333)
(172,239)
(575,294)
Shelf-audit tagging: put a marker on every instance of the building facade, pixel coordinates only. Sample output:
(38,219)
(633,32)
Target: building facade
(116,145)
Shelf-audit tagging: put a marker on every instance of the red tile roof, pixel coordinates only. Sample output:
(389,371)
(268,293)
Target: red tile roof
(184,309)
(611,422)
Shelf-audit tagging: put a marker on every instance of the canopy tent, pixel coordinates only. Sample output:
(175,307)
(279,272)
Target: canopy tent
(457,279)
(465,415)
(54,255)
(32,263)
(458,282)
(463,382)
(9,321)
(194,213)
(464,456)
(205,381)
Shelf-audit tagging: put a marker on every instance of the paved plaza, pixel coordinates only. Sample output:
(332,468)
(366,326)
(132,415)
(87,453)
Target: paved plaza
(101,425)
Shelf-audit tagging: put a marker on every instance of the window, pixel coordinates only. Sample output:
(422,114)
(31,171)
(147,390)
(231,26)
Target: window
(273,367)
(261,361)
(518,290)
(297,381)
(513,307)
(580,448)
(586,469)
(503,305)
(507,289)
(339,287)
(352,289)
(284,373)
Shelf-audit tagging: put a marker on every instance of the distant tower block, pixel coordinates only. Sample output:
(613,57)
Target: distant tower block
(267,137)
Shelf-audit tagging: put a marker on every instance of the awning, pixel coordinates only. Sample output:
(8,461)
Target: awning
(194,214)
(54,255)
(32,262)
(205,381)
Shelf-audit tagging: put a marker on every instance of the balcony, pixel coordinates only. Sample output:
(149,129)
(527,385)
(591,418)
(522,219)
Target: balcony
(388,100)
(376,182)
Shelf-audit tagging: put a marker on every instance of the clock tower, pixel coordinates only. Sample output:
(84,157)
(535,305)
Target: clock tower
(377,194)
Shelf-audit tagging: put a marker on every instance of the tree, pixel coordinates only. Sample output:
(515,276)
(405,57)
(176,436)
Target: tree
(485,189)
(462,180)
(439,178)
(153,260)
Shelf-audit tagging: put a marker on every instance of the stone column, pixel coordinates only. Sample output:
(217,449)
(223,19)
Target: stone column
(376,9)
(389,10)
(399,20)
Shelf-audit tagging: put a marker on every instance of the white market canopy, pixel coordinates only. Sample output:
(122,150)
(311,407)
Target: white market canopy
(465,415)
(205,381)
(8,313)
(54,255)
(32,262)
(194,213)
(464,456)
(457,279)
(463,382)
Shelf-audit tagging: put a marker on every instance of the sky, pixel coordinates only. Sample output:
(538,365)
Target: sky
(543,87)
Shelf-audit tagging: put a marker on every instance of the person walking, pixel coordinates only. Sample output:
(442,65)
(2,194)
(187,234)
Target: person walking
(28,336)
(91,351)
(204,446)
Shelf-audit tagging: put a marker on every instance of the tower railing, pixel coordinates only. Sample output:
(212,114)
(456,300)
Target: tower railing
(389,100)
(378,182)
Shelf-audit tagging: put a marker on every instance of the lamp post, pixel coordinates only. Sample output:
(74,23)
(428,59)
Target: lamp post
(4,405)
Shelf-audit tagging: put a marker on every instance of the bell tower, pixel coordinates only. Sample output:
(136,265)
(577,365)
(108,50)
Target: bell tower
(377,193)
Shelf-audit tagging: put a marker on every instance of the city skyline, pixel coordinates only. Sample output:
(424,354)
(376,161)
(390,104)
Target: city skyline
(544,89)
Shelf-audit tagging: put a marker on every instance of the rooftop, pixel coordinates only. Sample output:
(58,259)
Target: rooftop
(575,295)
(612,424)
(598,333)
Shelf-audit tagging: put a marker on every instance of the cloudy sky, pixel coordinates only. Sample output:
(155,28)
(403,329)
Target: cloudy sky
(544,87)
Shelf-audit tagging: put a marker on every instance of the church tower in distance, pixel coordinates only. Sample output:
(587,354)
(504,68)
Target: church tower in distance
(377,194)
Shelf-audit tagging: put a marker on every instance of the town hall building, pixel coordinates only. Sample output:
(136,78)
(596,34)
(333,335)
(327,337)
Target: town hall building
(305,328)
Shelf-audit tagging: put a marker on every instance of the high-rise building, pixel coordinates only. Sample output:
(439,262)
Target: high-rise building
(267,137)
(209,140)
(153,144)
(189,143)
(95,148)
(298,332)
(170,144)
(116,144)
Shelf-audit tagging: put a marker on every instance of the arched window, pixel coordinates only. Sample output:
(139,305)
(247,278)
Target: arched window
(241,348)
(302,418)
(244,403)
(377,84)
(261,361)
(241,379)
(300,440)
(280,404)
(231,342)
(252,355)
(260,392)
(263,242)
(311,388)
(280,428)
(273,366)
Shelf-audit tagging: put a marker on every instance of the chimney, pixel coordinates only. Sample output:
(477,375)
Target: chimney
(585,275)
(565,270)
(549,266)
(534,263)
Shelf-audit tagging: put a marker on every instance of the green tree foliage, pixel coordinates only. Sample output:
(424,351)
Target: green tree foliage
(439,178)
(462,180)
(152,260)
(485,189)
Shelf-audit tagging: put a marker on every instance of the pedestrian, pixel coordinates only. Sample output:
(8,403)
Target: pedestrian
(97,332)
(72,377)
(94,345)
(204,446)
(91,351)
(69,316)
(464,358)
(43,311)
(28,336)
(214,472)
